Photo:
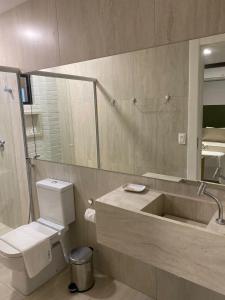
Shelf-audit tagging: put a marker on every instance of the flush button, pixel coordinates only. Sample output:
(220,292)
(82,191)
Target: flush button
(54,181)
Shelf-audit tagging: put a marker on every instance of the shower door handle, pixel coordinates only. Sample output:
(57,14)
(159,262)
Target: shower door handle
(2,144)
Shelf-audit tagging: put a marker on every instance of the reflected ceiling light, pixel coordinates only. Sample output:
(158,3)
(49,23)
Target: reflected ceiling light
(31,34)
(207,51)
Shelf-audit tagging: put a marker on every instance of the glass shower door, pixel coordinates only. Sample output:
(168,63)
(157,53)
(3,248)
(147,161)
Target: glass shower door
(13,176)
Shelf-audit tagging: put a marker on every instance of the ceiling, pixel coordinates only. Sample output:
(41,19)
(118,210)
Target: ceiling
(8,4)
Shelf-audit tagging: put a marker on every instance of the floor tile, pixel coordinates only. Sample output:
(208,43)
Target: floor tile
(56,288)
(8,293)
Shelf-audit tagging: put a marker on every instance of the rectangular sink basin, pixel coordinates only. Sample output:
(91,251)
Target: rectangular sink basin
(186,210)
(167,231)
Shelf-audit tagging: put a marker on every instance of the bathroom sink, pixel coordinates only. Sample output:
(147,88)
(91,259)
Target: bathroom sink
(186,210)
(172,232)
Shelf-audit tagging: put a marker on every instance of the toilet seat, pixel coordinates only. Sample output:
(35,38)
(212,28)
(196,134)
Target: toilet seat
(53,234)
(9,251)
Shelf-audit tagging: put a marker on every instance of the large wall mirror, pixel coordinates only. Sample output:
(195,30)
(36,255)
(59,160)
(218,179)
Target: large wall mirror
(158,112)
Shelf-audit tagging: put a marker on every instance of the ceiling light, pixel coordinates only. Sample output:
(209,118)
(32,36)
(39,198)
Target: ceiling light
(207,51)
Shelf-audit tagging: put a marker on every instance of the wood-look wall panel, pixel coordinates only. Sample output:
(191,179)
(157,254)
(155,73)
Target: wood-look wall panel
(95,28)
(37,33)
(45,33)
(29,36)
(133,22)
(9,47)
(179,20)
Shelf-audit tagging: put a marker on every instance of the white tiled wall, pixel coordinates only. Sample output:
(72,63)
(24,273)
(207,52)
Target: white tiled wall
(63,120)
(45,104)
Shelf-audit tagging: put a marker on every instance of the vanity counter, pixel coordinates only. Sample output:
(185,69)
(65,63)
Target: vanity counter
(128,200)
(173,233)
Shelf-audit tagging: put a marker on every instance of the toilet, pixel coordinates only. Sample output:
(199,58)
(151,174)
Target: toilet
(56,205)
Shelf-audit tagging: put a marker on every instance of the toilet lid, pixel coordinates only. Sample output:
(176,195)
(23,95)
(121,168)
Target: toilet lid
(6,240)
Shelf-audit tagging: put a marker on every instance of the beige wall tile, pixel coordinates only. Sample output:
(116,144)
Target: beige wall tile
(9,47)
(37,33)
(29,36)
(178,20)
(96,28)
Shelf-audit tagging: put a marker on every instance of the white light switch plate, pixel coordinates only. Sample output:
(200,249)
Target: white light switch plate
(182,137)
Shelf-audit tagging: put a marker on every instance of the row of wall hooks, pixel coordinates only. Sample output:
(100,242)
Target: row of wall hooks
(167,99)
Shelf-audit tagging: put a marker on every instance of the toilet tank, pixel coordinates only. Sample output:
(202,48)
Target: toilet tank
(56,201)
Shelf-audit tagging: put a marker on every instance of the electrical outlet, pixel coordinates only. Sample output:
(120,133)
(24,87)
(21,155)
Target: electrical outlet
(182,137)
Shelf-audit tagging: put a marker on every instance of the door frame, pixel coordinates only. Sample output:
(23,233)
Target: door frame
(195,98)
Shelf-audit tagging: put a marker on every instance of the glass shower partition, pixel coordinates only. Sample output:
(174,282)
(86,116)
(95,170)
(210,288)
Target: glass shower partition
(14,195)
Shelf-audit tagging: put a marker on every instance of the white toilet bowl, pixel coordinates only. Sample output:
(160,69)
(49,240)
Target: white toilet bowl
(11,258)
(56,205)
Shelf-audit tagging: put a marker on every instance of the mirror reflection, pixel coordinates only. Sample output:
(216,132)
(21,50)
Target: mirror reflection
(60,123)
(213,134)
(142,104)
(158,112)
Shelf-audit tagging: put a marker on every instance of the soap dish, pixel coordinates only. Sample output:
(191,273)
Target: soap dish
(135,188)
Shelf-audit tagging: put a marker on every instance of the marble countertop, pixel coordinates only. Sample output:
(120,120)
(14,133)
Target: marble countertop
(125,222)
(136,202)
(128,200)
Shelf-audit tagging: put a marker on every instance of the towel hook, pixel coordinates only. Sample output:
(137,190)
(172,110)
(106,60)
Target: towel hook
(167,98)
(91,202)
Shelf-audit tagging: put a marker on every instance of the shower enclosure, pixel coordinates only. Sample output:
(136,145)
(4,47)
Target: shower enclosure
(14,195)
(46,127)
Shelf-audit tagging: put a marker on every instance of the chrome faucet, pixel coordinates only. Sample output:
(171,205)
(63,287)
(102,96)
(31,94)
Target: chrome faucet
(202,190)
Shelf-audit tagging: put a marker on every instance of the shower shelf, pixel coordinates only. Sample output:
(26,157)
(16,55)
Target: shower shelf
(29,113)
(33,124)
(31,135)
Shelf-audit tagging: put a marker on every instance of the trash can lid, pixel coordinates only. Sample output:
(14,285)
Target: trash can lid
(81,255)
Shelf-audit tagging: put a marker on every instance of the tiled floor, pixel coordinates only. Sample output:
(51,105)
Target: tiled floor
(105,288)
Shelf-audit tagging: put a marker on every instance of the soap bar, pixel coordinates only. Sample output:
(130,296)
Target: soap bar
(136,188)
